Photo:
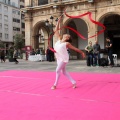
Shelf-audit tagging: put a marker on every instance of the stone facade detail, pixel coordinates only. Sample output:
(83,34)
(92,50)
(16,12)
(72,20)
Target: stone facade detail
(39,13)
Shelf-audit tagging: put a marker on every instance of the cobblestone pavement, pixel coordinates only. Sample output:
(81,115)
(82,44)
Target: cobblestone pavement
(73,66)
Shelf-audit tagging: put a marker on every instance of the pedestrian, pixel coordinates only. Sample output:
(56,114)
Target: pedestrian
(96,53)
(48,54)
(2,56)
(109,46)
(15,56)
(89,53)
(32,52)
(62,55)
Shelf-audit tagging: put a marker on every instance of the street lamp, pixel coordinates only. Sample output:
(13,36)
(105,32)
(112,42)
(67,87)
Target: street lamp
(51,26)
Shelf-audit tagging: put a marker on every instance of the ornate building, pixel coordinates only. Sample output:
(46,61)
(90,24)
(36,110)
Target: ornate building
(104,11)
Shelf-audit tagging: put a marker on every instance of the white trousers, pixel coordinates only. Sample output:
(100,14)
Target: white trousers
(61,67)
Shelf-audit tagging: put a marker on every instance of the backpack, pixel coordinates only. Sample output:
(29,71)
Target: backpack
(16,54)
(103,62)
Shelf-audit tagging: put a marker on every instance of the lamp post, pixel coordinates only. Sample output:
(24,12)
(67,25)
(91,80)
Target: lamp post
(51,26)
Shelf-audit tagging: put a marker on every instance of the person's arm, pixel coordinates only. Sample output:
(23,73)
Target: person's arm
(99,49)
(93,48)
(57,34)
(68,45)
(86,48)
(109,46)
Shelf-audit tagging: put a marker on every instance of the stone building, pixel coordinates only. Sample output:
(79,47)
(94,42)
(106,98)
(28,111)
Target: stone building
(105,11)
(11,21)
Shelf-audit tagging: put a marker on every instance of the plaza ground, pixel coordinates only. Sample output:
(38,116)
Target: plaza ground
(73,66)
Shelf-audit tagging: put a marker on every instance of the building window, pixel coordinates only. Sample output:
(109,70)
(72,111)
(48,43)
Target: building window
(0,6)
(6,27)
(0,16)
(6,36)
(5,9)
(16,20)
(22,16)
(0,35)
(13,37)
(16,29)
(13,4)
(21,6)
(0,25)
(23,33)
(6,18)
(23,25)
(9,2)
(21,0)
(16,12)
(42,2)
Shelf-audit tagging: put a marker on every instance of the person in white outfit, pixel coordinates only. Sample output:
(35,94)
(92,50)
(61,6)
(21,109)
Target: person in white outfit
(62,55)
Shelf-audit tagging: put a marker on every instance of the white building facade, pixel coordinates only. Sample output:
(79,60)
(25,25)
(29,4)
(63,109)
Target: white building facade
(10,21)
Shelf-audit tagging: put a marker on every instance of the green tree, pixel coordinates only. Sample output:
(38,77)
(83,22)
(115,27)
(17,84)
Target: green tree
(19,41)
(2,45)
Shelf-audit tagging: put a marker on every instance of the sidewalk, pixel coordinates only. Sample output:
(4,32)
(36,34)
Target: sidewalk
(73,66)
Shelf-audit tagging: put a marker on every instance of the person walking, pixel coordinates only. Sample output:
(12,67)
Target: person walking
(15,56)
(62,55)
(2,56)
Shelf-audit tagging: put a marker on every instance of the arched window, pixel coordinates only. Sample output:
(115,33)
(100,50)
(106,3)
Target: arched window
(42,2)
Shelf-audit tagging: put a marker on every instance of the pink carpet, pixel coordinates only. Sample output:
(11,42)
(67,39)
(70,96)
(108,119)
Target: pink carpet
(26,95)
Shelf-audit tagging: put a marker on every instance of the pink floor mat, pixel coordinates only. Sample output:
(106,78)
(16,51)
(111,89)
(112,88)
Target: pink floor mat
(26,95)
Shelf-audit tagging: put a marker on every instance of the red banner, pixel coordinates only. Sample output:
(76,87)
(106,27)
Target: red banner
(80,35)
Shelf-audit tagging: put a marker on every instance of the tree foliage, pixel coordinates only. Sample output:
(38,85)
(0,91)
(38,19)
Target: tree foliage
(19,41)
(2,45)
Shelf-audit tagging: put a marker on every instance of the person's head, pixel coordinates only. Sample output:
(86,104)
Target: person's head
(108,39)
(66,38)
(96,41)
(15,48)
(90,43)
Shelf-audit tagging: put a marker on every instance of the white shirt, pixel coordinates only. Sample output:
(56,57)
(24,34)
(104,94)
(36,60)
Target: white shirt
(61,51)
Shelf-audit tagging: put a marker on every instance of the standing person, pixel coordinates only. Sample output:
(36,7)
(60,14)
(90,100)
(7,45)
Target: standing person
(62,56)
(15,56)
(96,53)
(48,54)
(109,46)
(89,49)
(52,55)
(2,56)
(32,52)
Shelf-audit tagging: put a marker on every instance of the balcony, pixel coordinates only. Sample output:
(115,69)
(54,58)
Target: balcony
(42,2)
(45,2)
(9,3)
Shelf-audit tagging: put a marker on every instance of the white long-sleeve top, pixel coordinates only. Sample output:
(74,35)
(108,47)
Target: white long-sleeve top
(61,51)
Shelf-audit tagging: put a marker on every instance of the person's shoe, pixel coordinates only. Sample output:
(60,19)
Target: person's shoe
(53,87)
(111,65)
(74,86)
